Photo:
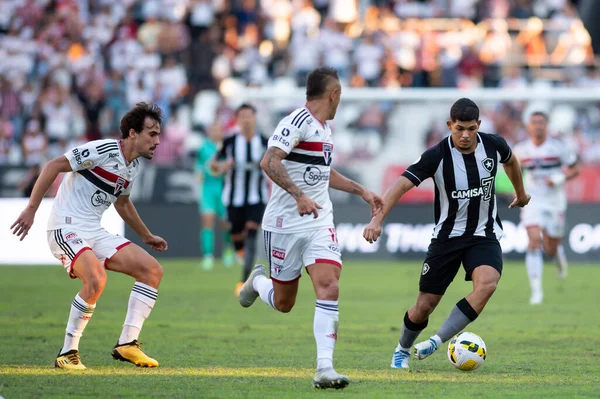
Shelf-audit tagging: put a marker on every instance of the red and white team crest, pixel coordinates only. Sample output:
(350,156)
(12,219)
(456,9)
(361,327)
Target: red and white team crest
(327,150)
(119,185)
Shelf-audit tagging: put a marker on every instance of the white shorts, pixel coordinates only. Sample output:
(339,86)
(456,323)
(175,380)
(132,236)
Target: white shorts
(287,253)
(67,244)
(552,221)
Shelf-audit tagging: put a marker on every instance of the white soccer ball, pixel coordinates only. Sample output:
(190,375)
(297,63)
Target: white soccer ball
(467,351)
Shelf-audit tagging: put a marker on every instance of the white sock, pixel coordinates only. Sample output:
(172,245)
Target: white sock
(80,314)
(141,301)
(437,340)
(535,266)
(325,328)
(561,258)
(264,287)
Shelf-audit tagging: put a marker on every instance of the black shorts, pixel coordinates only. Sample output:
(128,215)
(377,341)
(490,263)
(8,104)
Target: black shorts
(239,215)
(444,258)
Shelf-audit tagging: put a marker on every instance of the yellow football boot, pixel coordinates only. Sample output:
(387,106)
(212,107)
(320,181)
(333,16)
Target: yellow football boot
(132,353)
(69,361)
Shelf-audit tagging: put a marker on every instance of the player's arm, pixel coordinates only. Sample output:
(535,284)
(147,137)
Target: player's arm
(512,167)
(571,171)
(271,164)
(49,173)
(128,213)
(340,182)
(220,164)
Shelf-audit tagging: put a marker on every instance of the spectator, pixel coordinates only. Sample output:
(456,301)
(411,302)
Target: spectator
(34,144)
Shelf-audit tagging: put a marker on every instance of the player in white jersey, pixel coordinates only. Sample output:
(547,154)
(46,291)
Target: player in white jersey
(101,174)
(298,221)
(547,162)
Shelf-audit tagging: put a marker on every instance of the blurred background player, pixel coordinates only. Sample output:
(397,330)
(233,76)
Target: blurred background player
(211,203)
(245,192)
(548,162)
(298,162)
(467,225)
(102,175)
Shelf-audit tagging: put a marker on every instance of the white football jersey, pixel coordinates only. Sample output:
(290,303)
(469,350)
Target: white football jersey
(541,162)
(100,174)
(309,146)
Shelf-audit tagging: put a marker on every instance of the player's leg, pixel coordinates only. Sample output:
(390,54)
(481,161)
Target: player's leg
(439,269)
(228,254)
(130,259)
(532,219)
(80,262)
(236,230)
(254,214)
(208,238)
(324,261)
(554,228)
(483,265)
(285,263)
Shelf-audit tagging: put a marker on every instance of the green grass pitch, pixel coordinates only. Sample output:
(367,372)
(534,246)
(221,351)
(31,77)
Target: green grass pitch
(210,347)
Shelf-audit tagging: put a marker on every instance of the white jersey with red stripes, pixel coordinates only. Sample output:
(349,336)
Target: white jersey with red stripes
(100,174)
(541,162)
(309,146)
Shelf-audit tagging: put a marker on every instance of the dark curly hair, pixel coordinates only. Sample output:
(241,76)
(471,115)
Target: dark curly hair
(134,118)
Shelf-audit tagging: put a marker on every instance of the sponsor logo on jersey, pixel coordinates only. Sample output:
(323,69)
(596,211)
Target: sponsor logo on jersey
(488,164)
(485,190)
(113,154)
(88,163)
(279,222)
(327,150)
(314,175)
(68,219)
(334,248)
(100,198)
(425,269)
(70,236)
(281,139)
(278,254)
(78,155)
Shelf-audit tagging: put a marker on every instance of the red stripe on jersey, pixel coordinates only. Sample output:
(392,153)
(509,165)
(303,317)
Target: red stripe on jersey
(111,177)
(547,159)
(311,145)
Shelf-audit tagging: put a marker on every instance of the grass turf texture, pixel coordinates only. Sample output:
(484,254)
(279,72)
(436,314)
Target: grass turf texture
(210,347)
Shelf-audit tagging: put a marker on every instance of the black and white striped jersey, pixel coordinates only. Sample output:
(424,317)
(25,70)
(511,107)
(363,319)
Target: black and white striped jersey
(465,200)
(245,183)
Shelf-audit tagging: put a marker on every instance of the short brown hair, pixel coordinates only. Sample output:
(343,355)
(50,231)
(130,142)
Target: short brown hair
(135,117)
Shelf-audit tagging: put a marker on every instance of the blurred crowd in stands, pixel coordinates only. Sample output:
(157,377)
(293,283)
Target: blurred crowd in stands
(69,69)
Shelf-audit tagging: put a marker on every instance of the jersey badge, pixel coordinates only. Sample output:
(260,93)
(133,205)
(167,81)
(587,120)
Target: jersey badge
(488,164)
(327,150)
(119,185)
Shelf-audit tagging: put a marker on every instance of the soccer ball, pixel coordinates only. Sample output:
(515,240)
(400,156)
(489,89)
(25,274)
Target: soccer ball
(466,351)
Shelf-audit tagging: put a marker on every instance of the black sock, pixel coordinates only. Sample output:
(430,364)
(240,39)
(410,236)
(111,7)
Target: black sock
(410,331)
(249,253)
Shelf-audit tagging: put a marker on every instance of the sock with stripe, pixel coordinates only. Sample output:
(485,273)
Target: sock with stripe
(325,328)
(141,301)
(208,241)
(461,315)
(264,287)
(410,332)
(80,314)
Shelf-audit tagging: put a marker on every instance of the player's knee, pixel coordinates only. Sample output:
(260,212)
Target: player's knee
(534,245)
(487,288)
(155,273)
(328,290)
(95,283)
(284,305)
(424,308)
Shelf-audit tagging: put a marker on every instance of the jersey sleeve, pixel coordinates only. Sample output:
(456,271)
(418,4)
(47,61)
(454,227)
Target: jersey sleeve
(136,171)
(568,156)
(86,156)
(502,147)
(425,166)
(286,137)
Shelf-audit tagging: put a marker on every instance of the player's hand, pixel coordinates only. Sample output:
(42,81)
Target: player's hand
(549,182)
(520,201)
(307,206)
(24,222)
(374,201)
(372,231)
(227,165)
(156,243)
